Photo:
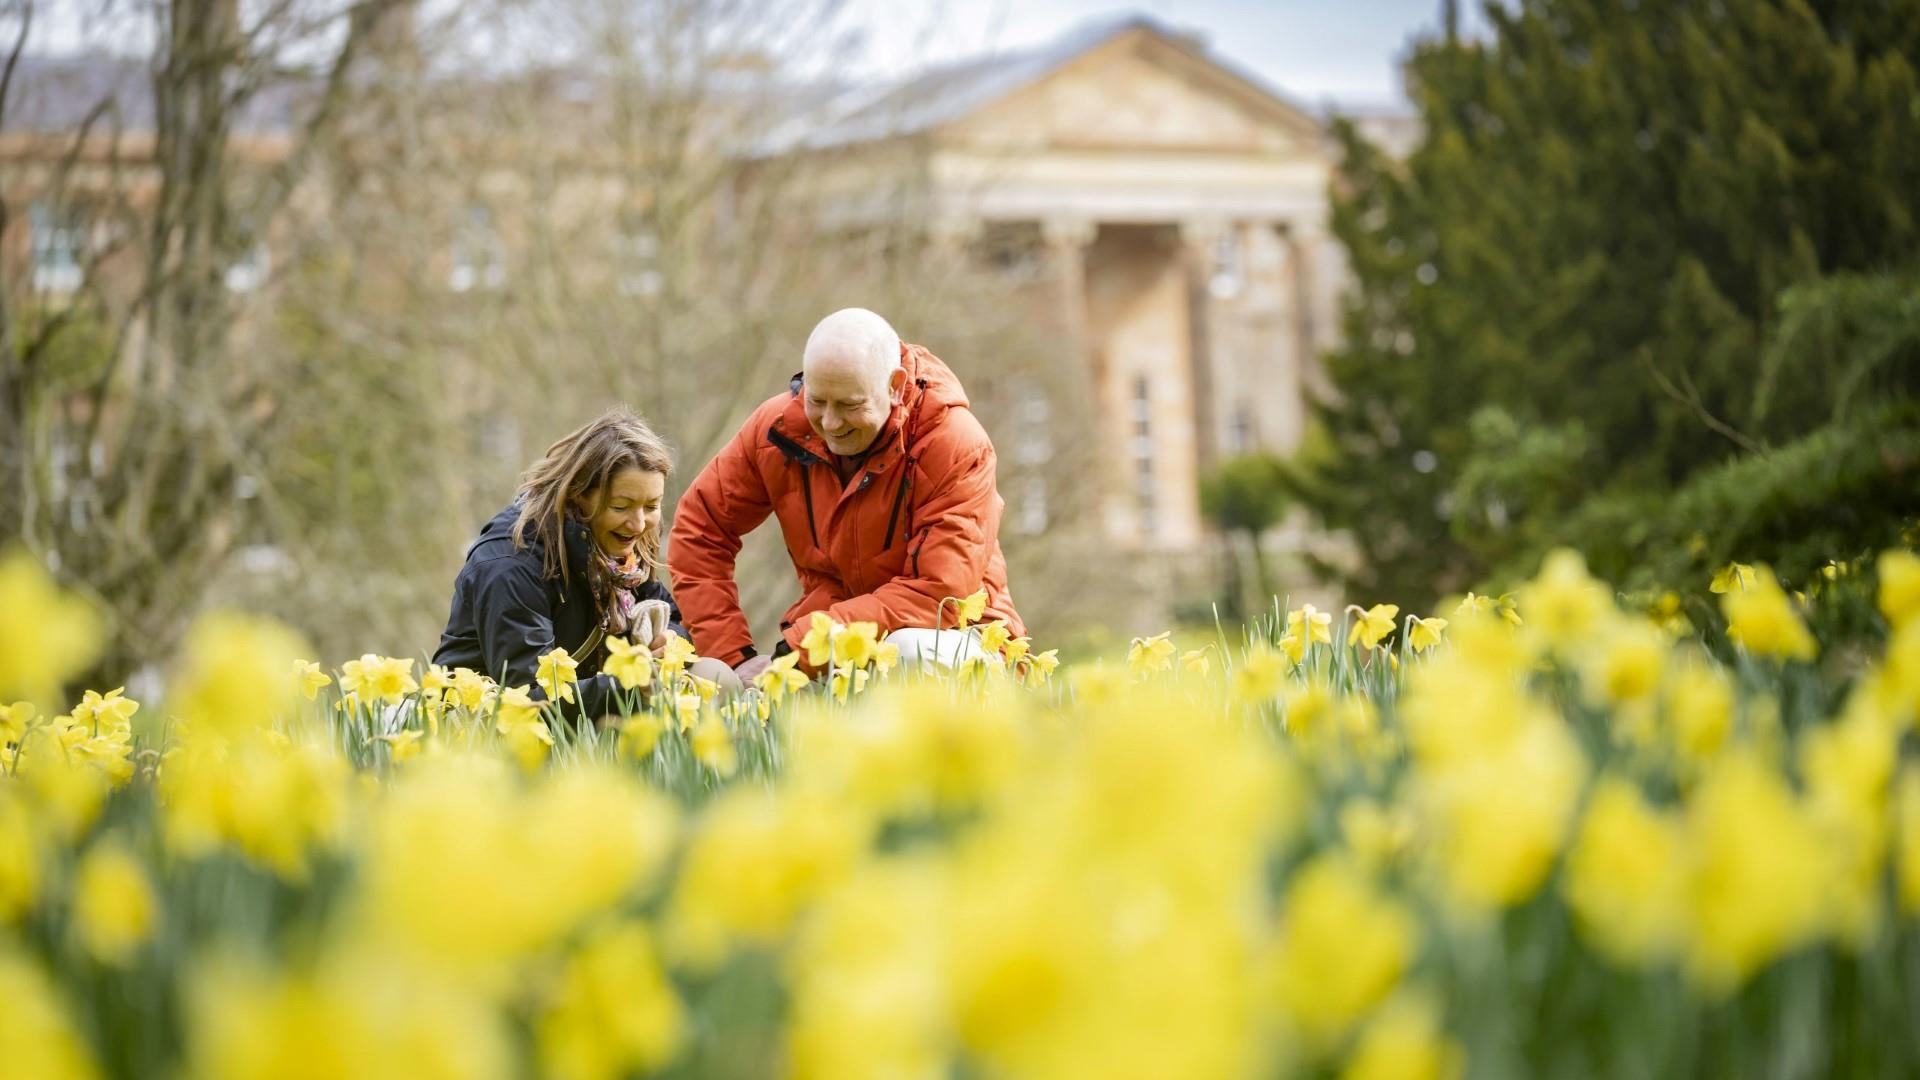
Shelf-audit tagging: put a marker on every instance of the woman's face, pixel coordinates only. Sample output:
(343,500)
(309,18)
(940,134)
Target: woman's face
(627,510)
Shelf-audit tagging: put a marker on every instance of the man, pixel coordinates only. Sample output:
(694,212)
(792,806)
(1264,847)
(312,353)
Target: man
(883,483)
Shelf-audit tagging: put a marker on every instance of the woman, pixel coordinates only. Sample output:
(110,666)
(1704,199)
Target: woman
(573,560)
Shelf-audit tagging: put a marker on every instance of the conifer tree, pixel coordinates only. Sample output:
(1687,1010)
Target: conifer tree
(1572,290)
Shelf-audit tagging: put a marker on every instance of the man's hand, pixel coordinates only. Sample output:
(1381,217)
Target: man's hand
(665,639)
(751,666)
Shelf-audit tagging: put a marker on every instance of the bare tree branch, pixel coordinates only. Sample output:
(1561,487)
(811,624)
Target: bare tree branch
(13,59)
(1690,397)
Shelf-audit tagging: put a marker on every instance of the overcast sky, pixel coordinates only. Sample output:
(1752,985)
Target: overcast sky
(1313,49)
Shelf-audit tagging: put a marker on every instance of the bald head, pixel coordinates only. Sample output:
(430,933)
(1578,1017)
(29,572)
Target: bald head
(852,341)
(851,369)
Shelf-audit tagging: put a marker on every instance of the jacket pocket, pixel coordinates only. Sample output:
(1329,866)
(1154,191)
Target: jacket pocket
(914,556)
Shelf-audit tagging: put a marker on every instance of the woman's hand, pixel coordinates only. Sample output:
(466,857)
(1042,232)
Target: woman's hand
(650,621)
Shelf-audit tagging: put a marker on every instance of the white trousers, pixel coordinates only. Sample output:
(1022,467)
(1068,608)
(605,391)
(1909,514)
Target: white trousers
(922,649)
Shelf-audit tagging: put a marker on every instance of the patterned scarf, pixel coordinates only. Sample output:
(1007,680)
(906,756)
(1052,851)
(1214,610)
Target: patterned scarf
(613,584)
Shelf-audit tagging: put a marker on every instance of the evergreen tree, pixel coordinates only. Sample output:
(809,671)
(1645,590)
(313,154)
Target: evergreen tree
(1573,288)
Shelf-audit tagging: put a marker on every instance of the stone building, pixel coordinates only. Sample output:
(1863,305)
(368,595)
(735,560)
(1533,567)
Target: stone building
(1169,214)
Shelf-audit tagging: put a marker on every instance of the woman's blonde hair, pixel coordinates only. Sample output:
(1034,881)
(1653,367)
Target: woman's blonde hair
(586,461)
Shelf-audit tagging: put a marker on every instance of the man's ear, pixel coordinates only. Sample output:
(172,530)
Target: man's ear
(897,385)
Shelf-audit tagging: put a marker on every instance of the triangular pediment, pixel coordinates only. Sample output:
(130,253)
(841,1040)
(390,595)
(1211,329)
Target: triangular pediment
(1143,90)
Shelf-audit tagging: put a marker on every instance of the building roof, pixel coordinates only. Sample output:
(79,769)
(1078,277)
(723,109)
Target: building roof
(58,93)
(945,93)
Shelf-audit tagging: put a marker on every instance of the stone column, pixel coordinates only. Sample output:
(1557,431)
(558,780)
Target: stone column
(1198,238)
(953,233)
(1067,240)
(1312,302)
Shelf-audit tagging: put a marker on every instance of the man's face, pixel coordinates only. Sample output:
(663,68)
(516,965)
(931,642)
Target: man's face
(845,406)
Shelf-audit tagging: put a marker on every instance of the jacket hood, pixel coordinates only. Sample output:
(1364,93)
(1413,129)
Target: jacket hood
(499,531)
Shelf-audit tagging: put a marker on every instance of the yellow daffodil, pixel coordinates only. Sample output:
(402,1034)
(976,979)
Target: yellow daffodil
(615,1012)
(1404,1041)
(856,644)
(818,640)
(310,678)
(1258,678)
(1732,578)
(514,707)
(630,665)
(1147,656)
(640,733)
(968,610)
(1377,836)
(1759,872)
(674,658)
(556,674)
(113,903)
(847,680)
(1762,620)
(1565,603)
(402,746)
(1906,808)
(47,635)
(994,637)
(112,711)
(1372,625)
(1698,707)
(239,672)
(1624,879)
(378,678)
(1899,592)
(36,1028)
(1016,649)
(1475,604)
(1342,947)
(1293,648)
(529,742)
(1424,634)
(782,677)
(1625,664)
(1309,625)
(14,719)
(470,688)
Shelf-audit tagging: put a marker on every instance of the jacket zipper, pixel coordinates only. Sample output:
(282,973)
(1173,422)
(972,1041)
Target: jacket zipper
(806,459)
(806,485)
(916,553)
(899,496)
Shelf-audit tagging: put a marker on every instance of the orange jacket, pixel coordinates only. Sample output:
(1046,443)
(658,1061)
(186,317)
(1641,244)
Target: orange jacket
(919,522)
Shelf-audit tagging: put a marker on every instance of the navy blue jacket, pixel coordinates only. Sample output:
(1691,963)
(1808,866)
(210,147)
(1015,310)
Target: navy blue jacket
(507,612)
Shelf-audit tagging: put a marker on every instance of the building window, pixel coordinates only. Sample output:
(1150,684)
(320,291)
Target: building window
(1034,443)
(249,271)
(636,257)
(1242,435)
(1032,450)
(57,242)
(1228,271)
(479,258)
(1141,452)
(1012,249)
(1033,504)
